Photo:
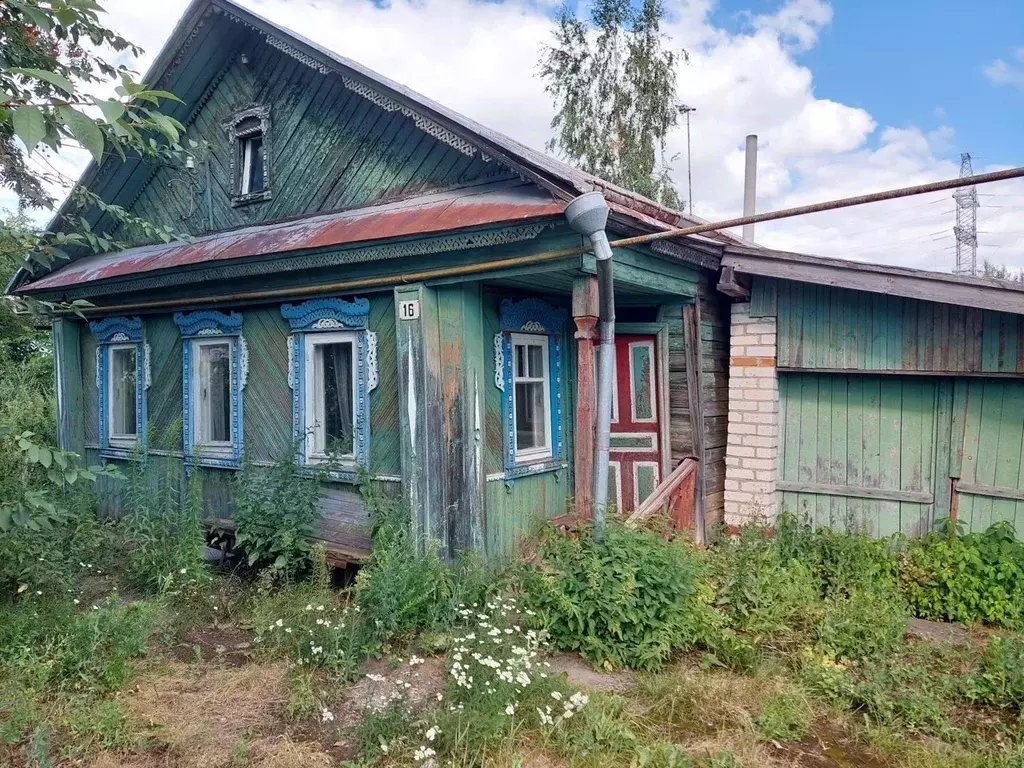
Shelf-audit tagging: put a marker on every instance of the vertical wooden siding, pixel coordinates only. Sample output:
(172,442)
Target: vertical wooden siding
(820,327)
(714,314)
(855,431)
(993,454)
(329,147)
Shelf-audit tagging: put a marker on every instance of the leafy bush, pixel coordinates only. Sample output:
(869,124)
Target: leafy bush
(841,561)
(977,577)
(276,514)
(868,624)
(771,600)
(627,601)
(406,587)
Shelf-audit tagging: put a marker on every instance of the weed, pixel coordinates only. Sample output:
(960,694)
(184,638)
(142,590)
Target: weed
(102,725)
(869,623)
(276,513)
(406,587)
(627,601)
(785,716)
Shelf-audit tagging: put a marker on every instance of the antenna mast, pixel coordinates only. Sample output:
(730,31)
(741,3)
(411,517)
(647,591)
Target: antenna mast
(966,229)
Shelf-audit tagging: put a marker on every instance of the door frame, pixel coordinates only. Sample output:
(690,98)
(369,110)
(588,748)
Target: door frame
(660,332)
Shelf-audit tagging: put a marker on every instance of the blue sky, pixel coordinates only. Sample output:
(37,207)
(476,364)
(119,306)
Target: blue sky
(919,62)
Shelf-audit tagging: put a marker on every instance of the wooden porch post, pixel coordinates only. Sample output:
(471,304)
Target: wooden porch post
(585,315)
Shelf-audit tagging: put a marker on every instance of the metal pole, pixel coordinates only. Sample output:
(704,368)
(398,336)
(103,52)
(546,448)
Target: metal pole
(605,374)
(689,173)
(750,185)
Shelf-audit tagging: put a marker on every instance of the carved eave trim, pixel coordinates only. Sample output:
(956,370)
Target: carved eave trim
(290,263)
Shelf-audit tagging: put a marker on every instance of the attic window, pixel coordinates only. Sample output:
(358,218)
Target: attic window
(248,130)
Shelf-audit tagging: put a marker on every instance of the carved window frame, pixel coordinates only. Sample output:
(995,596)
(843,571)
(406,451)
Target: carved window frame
(530,317)
(118,333)
(337,317)
(207,326)
(236,137)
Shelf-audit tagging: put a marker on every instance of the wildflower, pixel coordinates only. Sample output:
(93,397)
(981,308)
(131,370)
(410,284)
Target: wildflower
(440,696)
(510,709)
(309,607)
(183,570)
(288,630)
(423,753)
(384,747)
(77,601)
(38,592)
(431,734)
(319,607)
(279,622)
(556,695)
(327,716)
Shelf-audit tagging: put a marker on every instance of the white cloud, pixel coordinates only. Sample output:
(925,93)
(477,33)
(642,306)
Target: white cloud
(1001,72)
(480,58)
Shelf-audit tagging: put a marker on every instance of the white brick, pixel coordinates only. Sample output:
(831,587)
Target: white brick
(736,428)
(746,338)
(767,430)
(770,406)
(759,442)
(768,339)
(761,351)
(757,464)
(743,405)
(741,474)
(759,394)
(765,475)
(739,450)
(732,485)
(759,327)
(766,453)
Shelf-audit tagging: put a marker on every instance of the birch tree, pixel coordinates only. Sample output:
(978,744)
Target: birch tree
(612,78)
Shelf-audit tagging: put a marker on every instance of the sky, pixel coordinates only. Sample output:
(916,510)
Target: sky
(847,97)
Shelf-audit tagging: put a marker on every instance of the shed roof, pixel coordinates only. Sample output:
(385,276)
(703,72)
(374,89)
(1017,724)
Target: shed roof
(478,206)
(942,287)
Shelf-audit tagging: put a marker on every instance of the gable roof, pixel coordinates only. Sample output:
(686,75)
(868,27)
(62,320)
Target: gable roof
(560,179)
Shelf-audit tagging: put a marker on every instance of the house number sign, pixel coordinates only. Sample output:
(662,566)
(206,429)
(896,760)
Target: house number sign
(409,310)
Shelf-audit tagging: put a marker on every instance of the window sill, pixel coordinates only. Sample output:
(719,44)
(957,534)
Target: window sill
(528,469)
(256,197)
(339,474)
(214,462)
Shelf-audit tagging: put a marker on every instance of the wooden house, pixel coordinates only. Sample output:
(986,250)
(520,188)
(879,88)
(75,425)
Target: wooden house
(378,279)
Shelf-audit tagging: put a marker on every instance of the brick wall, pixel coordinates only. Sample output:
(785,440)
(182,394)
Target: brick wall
(751,456)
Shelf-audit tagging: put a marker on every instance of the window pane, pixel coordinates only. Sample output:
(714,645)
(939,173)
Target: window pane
(215,393)
(336,365)
(122,380)
(531,421)
(536,357)
(520,367)
(253,166)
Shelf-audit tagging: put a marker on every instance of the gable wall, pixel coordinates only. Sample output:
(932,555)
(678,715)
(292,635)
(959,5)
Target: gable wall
(330,148)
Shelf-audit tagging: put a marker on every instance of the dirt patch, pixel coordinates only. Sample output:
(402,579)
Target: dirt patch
(384,681)
(208,715)
(828,746)
(938,631)
(581,673)
(214,643)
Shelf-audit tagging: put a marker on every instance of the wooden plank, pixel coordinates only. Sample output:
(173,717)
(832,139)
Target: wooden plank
(692,342)
(943,442)
(68,376)
(861,492)
(896,281)
(993,491)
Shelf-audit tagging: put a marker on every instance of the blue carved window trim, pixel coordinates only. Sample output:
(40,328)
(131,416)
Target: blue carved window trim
(212,326)
(319,316)
(537,318)
(111,333)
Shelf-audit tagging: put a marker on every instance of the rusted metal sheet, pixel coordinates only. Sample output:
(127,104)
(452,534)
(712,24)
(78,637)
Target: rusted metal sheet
(425,215)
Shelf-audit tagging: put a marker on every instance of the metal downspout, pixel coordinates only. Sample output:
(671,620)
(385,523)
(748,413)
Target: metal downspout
(588,214)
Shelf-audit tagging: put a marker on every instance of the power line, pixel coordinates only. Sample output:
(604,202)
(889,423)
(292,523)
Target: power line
(966,229)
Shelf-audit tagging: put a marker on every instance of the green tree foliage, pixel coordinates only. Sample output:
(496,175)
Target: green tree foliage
(57,90)
(613,82)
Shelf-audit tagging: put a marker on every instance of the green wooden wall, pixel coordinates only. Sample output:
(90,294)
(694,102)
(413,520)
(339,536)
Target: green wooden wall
(991,483)
(330,147)
(850,437)
(820,327)
(515,512)
(887,453)
(267,398)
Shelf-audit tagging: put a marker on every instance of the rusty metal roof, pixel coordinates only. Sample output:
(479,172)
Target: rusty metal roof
(432,214)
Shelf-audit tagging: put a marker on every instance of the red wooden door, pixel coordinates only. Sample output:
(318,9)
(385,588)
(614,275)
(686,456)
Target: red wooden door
(635,459)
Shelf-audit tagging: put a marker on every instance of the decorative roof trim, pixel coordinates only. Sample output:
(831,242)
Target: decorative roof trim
(352,255)
(532,316)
